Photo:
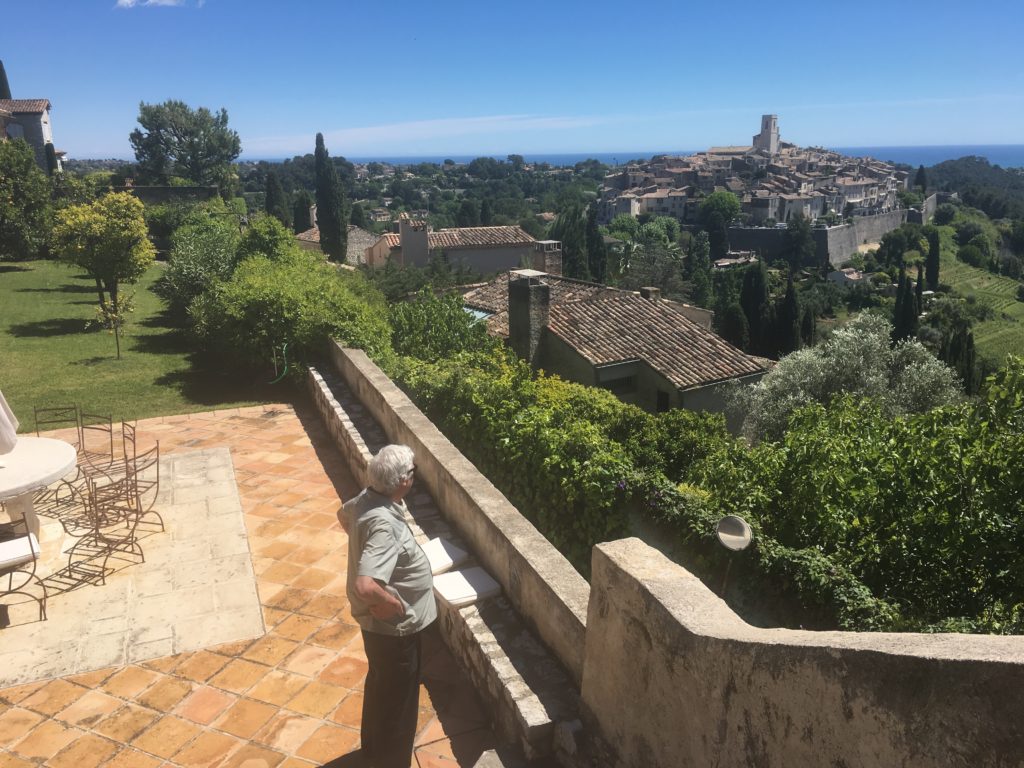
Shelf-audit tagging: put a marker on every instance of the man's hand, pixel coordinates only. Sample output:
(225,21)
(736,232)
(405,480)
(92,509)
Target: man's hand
(387,610)
(383,605)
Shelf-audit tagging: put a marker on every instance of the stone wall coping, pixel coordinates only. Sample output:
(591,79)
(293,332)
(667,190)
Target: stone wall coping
(700,612)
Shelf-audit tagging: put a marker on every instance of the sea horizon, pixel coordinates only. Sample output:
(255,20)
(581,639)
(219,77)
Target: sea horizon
(1004,155)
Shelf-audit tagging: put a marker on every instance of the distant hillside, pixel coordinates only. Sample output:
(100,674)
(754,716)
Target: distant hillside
(999,192)
(91,166)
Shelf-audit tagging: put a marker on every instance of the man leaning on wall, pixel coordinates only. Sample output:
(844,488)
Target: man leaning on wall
(391,592)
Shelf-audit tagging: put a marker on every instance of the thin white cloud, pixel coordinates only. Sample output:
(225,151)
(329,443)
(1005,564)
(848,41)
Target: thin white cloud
(394,137)
(134,3)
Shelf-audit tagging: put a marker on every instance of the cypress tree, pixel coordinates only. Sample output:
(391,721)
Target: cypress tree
(570,228)
(920,179)
(753,297)
(5,88)
(300,212)
(808,328)
(733,326)
(932,262)
(789,321)
(486,212)
(51,158)
(330,205)
(597,253)
(276,201)
(358,217)
(919,289)
(904,322)
(468,215)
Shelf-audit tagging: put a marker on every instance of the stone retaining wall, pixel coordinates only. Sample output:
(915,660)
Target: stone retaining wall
(544,589)
(672,677)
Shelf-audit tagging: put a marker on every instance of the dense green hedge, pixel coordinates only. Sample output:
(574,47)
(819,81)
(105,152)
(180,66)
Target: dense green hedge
(861,521)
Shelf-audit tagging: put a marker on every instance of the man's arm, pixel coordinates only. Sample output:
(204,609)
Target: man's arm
(383,605)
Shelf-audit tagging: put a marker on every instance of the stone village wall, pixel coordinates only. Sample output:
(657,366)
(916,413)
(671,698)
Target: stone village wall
(669,676)
(835,244)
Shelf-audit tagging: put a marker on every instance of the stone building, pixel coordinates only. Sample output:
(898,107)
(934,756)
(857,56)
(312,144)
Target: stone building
(29,119)
(651,352)
(483,249)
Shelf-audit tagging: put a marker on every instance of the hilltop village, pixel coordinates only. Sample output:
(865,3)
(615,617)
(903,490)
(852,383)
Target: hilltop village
(775,181)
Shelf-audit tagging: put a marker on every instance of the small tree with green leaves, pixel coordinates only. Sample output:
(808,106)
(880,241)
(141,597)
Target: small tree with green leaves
(109,240)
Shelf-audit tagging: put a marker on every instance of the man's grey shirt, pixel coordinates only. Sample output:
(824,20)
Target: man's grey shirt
(381,546)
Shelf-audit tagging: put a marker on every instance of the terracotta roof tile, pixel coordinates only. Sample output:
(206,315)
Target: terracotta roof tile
(477,237)
(627,327)
(25,106)
(607,325)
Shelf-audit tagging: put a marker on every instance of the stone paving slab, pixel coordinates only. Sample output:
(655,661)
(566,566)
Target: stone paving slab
(196,587)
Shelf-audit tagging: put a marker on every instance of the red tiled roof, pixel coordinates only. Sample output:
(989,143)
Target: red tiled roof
(477,237)
(607,325)
(25,106)
(627,327)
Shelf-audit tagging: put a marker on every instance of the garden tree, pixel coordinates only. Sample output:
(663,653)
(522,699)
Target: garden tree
(301,212)
(174,140)
(276,200)
(799,245)
(266,236)
(286,309)
(570,228)
(947,331)
(932,260)
(623,226)
(517,162)
(788,335)
(468,215)
(920,179)
(5,87)
(654,264)
(331,205)
(434,327)
(203,252)
(24,202)
(857,359)
(945,214)
(109,240)
(698,263)
(970,254)
(733,326)
(597,253)
(51,158)
(486,212)
(722,202)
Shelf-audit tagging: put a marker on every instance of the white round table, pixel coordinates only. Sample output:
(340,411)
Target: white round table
(34,463)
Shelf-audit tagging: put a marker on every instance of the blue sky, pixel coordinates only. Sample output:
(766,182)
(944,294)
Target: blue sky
(446,77)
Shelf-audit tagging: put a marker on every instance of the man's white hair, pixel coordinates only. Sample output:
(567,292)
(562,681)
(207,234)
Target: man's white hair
(390,467)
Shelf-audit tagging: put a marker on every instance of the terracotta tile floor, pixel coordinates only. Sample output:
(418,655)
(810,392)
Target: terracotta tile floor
(290,698)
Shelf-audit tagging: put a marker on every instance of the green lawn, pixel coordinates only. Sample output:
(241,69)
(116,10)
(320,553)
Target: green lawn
(49,355)
(1003,334)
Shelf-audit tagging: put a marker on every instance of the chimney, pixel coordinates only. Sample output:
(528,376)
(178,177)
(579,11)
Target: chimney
(529,298)
(547,257)
(650,292)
